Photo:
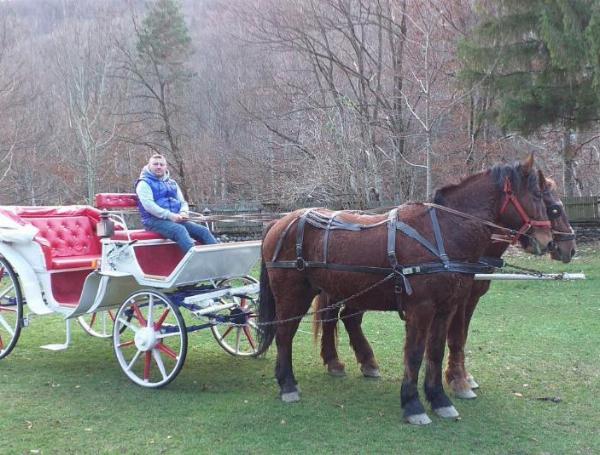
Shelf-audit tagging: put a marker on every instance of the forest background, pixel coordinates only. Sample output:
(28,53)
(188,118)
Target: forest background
(290,103)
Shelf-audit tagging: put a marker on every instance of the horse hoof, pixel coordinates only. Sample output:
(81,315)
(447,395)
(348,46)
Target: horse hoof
(418,419)
(336,372)
(290,397)
(447,412)
(369,372)
(467,394)
(472,382)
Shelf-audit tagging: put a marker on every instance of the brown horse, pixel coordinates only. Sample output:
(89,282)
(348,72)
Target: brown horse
(563,248)
(461,382)
(300,260)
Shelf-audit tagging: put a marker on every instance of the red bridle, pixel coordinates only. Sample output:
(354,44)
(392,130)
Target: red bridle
(528,223)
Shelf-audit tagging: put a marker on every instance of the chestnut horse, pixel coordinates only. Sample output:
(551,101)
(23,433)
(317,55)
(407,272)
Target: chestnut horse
(460,381)
(300,259)
(563,248)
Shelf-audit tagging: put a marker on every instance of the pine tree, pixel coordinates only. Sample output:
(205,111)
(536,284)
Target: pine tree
(541,61)
(158,68)
(163,38)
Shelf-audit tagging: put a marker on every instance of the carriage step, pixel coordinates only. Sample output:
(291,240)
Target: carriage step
(55,347)
(60,346)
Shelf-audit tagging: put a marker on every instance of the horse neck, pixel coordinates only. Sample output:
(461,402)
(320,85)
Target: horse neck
(477,196)
(496,249)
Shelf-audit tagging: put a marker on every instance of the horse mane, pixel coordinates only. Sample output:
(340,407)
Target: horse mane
(498,173)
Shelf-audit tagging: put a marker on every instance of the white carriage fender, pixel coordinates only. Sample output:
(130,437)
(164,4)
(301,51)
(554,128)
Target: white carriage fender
(28,280)
(10,231)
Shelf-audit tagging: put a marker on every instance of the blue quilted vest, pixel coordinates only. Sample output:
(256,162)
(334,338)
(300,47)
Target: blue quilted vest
(164,192)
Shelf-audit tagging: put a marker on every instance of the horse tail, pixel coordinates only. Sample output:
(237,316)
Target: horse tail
(266,304)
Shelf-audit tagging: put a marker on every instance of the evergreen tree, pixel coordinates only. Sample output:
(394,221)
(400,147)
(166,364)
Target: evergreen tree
(158,68)
(163,38)
(541,61)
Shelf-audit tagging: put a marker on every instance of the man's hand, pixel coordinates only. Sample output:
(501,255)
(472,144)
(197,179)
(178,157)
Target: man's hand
(185,216)
(177,218)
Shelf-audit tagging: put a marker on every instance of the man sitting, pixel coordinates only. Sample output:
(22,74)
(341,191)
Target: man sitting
(163,208)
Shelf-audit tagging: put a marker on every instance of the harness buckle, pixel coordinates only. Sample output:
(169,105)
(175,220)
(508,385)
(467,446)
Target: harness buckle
(300,264)
(408,270)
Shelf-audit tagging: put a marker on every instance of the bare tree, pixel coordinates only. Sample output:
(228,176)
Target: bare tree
(158,77)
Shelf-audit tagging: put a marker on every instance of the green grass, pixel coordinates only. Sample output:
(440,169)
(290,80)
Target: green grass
(530,342)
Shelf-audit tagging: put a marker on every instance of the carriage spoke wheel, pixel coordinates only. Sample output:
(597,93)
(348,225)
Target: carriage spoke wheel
(11,308)
(239,336)
(150,339)
(98,324)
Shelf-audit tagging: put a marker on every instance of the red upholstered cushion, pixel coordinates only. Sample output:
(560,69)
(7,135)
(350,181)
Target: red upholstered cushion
(107,201)
(136,234)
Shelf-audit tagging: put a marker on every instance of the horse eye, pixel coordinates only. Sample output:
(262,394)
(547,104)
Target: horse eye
(554,212)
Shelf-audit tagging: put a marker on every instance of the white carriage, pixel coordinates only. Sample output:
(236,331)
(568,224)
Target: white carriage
(131,285)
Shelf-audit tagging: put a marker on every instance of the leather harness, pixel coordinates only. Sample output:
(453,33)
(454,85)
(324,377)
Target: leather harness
(401,272)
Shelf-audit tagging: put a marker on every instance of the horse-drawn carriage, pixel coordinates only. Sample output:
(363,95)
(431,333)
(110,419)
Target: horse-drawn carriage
(82,262)
(420,260)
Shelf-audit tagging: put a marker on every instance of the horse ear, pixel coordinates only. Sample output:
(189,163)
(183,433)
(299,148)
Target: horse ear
(542,180)
(527,165)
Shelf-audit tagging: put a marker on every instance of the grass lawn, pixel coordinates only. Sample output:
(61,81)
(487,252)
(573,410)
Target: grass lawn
(534,348)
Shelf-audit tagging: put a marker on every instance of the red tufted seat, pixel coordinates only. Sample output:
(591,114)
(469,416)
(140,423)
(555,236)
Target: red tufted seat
(67,236)
(115,201)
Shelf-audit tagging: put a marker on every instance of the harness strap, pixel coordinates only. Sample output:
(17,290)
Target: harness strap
(391,243)
(282,237)
(438,235)
(413,234)
(326,236)
(401,280)
(300,263)
(330,266)
(468,268)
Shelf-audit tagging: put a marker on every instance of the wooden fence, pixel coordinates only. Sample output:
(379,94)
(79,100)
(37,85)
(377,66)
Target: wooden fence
(583,209)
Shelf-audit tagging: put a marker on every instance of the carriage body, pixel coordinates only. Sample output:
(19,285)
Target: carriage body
(55,262)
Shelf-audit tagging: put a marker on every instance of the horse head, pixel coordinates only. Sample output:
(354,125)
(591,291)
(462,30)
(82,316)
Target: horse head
(522,207)
(563,245)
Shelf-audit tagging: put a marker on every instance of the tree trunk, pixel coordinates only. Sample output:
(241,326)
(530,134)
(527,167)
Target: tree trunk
(569,154)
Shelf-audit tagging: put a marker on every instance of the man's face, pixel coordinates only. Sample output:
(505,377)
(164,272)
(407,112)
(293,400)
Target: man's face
(158,166)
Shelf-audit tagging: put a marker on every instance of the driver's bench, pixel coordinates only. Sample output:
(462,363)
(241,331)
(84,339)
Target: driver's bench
(156,255)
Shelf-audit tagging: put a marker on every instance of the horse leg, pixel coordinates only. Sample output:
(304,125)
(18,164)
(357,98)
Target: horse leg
(456,375)
(292,304)
(434,390)
(468,315)
(417,324)
(329,352)
(360,344)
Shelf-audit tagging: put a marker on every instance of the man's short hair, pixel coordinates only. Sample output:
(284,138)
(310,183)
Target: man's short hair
(157,156)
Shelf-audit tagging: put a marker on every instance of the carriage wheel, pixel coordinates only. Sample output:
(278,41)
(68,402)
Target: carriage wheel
(239,336)
(98,324)
(150,339)
(11,308)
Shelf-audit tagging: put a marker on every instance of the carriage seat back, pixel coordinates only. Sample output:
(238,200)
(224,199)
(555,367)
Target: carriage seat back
(121,202)
(67,235)
(154,258)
